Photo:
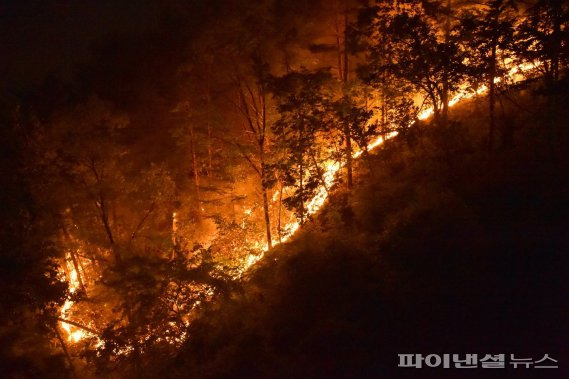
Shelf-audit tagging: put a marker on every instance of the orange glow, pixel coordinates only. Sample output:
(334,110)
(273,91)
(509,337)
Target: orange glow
(515,74)
(75,334)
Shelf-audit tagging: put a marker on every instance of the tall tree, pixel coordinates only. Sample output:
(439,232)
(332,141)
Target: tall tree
(406,44)
(544,36)
(32,289)
(252,104)
(488,34)
(303,106)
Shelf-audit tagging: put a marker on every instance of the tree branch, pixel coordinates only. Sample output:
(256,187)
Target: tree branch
(78,325)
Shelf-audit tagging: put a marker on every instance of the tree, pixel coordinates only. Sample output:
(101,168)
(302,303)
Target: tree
(303,106)
(406,45)
(544,37)
(353,120)
(32,288)
(350,117)
(394,108)
(252,104)
(120,206)
(488,35)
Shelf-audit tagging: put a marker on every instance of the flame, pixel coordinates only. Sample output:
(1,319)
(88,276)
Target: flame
(276,196)
(515,74)
(75,334)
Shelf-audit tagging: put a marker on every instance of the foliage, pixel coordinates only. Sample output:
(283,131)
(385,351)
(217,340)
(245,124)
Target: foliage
(302,103)
(32,289)
(154,178)
(427,243)
(543,37)
(430,65)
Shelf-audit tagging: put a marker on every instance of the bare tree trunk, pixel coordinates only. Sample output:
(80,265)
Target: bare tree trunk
(436,111)
(348,154)
(107,226)
(265,200)
(209,139)
(556,39)
(445,101)
(195,167)
(339,49)
(445,92)
(491,97)
(73,257)
(347,134)
(318,170)
(264,185)
(279,214)
(301,174)
(267,219)
(101,205)
(346,62)
(301,187)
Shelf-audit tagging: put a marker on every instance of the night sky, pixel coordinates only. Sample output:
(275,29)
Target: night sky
(42,38)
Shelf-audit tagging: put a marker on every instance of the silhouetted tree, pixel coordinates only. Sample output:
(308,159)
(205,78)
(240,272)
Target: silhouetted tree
(544,37)
(303,107)
(488,35)
(406,45)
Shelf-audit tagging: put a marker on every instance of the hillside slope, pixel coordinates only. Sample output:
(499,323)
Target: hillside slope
(441,248)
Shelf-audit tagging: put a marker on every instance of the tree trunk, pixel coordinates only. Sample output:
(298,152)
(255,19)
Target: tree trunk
(339,49)
(73,257)
(491,96)
(556,39)
(209,139)
(301,173)
(114,249)
(445,93)
(108,231)
(445,101)
(301,188)
(348,153)
(279,214)
(346,62)
(265,201)
(436,109)
(347,134)
(195,167)
(383,114)
(267,219)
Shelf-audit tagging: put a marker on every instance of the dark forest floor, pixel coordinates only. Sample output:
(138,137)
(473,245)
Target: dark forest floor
(442,247)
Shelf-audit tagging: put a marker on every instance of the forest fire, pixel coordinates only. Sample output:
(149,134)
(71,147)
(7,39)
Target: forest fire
(151,165)
(75,334)
(514,74)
